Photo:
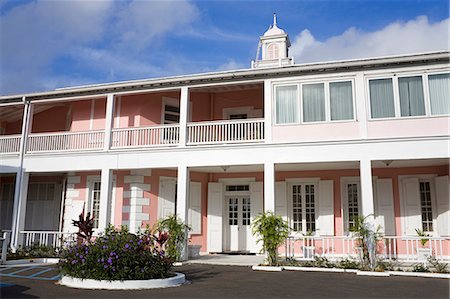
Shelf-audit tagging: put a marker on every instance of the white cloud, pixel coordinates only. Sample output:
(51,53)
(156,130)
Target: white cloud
(418,35)
(107,36)
(231,64)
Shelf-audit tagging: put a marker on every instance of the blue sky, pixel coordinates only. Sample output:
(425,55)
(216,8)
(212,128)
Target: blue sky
(51,44)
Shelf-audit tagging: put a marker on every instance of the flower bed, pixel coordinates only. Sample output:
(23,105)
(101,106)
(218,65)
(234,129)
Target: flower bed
(117,256)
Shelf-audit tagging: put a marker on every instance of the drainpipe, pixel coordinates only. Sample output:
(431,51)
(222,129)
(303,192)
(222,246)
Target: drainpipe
(26,127)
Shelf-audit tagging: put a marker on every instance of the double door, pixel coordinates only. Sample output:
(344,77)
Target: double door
(239,223)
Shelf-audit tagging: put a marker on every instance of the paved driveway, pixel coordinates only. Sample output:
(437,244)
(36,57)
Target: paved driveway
(210,281)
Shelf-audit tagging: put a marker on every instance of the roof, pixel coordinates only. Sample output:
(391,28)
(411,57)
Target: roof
(236,76)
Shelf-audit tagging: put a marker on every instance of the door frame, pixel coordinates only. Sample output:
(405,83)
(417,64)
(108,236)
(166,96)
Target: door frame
(225,226)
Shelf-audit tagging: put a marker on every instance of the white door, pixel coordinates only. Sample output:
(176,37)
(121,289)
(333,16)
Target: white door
(239,216)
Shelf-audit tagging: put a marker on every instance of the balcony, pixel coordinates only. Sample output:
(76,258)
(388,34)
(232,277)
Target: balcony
(198,133)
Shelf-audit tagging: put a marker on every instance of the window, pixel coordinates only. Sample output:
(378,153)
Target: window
(406,97)
(313,102)
(411,96)
(439,88)
(426,207)
(287,104)
(94,203)
(41,191)
(303,207)
(341,100)
(273,51)
(381,98)
(324,101)
(352,204)
(171,114)
(237,188)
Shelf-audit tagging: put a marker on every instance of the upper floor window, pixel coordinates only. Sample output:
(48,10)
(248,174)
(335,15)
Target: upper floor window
(406,96)
(318,102)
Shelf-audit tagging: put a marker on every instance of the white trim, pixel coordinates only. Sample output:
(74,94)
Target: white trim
(421,177)
(118,111)
(91,116)
(231,181)
(344,201)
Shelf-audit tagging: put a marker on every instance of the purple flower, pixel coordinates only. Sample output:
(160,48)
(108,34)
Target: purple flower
(102,260)
(83,261)
(105,266)
(77,254)
(104,246)
(127,246)
(98,260)
(110,261)
(81,256)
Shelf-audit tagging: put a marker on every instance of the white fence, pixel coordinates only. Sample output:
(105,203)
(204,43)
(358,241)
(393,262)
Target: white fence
(65,141)
(389,247)
(230,131)
(9,144)
(145,136)
(54,239)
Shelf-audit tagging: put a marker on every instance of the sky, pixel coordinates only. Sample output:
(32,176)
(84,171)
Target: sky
(55,43)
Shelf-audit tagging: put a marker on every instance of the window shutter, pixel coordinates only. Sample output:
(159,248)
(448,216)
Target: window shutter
(167,198)
(385,206)
(281,200)
(195,207)
(256,202)
(413,217)
(215,202)
(443,205)
(325,218)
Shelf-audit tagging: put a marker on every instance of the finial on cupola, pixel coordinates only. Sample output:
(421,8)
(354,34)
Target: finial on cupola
(274,19)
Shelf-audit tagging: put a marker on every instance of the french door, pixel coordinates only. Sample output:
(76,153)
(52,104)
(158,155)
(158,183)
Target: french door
(239,217)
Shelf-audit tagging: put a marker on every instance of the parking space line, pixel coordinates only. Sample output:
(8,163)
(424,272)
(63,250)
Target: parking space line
(21,270)
(41,272)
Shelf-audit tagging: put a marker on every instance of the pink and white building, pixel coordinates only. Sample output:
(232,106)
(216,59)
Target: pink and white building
(317,143)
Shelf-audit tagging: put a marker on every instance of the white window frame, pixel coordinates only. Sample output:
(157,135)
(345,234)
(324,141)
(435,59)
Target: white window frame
(326,83)
(421,178)
(344,201)
(88,203)
(303,182)
(394,77)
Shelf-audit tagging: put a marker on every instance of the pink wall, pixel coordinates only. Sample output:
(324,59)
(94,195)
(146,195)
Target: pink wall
(316,132)
(409,127)
(141,109)
(81,115)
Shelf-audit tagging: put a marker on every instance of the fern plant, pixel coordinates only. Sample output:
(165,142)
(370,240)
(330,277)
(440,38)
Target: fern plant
(272,231)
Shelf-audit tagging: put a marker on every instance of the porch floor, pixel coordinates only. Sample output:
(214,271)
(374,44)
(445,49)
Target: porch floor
(227,259)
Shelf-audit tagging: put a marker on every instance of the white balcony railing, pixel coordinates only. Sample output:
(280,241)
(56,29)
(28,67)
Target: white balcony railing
(46,238)
(65,141)
(390,247)
(9,144)
(145,136)
(230,131)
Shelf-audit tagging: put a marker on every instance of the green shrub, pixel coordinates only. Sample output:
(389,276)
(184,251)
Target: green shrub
(272,230)
(347,263)
(437,266)
(35,251)
(118,255)
(177,231)
(420,268)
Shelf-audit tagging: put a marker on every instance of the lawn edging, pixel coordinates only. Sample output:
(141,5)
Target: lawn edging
(355,271)
(45,260)
(79,283)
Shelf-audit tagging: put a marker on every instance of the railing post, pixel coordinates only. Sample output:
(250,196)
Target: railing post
(108,121)
(184,108)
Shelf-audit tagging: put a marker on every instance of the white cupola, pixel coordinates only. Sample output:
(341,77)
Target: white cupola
(274,45)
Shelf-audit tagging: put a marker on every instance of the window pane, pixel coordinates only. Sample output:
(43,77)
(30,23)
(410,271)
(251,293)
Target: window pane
(426,207)
(439,93)
(287,104)
(381,98)
(313,102)
(341,100)
(411,96)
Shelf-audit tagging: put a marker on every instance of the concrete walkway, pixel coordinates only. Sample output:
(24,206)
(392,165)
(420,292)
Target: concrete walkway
(227,259)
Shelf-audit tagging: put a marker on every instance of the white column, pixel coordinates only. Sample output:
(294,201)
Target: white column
(19,197)
(109,120)
(182,204)
(184,108)
(105,198)
(267,111)
(361,110)
(269,187)
(22,207)
(366,189)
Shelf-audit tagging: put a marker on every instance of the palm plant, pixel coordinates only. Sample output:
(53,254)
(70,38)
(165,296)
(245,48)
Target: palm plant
(272,230)
(367,238)
(177,235)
